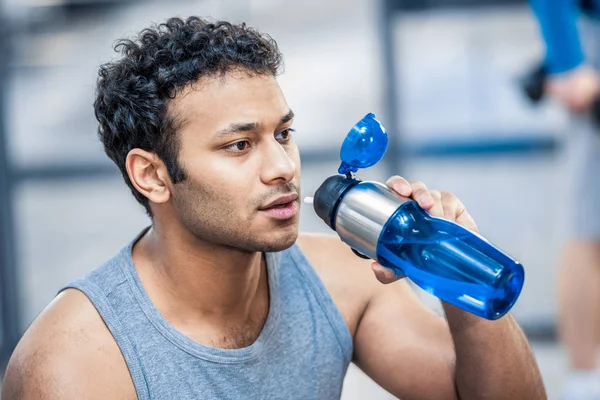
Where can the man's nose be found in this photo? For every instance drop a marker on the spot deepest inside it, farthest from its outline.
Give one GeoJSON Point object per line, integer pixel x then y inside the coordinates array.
{"type": "Point", "coordinates": [278, 166]}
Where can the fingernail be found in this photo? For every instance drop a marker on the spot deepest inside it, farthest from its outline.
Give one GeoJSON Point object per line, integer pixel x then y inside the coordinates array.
{"type": "Point", "coordinates": [402, 188]}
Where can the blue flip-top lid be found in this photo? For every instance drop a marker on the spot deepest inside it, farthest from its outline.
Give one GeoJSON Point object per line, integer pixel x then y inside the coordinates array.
{"type": "Point", "coordinates": [364, 146]}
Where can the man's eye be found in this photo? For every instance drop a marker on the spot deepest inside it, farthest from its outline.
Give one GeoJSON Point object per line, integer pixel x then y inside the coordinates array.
{"type": "Point", "coordinates": [238, 146]}
{"type": "Point", "coordinates": [285, 135]}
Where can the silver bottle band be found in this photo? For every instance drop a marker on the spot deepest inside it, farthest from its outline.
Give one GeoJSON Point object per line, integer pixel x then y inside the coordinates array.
{"type": "Point", "coordinates": [362, 214]}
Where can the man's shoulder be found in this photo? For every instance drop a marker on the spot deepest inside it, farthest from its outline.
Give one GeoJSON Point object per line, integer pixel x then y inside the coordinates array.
{"type": "Point", "coordinates": [349, 279]}
{"type": "Point", "coordinates": [335, 262]}
{"type": "Point", "coordinates": [328, 251]}
{"type": "Point", "coordinates": [65, 353]}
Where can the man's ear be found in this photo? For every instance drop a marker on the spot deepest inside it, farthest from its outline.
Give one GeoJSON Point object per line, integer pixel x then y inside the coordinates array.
{"type": "Point", "coordinates": [149, 175]}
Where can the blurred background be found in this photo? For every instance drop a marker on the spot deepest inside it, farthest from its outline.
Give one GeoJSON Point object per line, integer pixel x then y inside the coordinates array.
{"type": "Point", "coordinates": [442, 76]}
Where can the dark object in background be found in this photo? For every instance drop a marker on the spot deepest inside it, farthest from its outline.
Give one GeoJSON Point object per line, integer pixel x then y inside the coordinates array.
{"type": "Point", "coordinates": [533, 83]}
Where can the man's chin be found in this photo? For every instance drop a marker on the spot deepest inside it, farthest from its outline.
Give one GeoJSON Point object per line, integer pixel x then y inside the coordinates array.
{"type": "Point", "coordinates": [279, 241]}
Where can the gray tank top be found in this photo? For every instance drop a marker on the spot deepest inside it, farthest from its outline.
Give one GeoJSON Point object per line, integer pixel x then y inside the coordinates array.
{"type": "Point", "coordinates": [303, 351]}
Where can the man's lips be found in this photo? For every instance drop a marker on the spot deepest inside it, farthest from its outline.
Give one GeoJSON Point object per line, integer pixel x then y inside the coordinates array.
{"type": "Point", "coordinates": [283, 212]}
{"type": "Point", "coordinates": [282, 208]}
{"type": "Point", "coordinates": [281, 201]}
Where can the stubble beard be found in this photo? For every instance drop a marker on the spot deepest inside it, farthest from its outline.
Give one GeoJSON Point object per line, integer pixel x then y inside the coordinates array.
{"type": "Point", "coordinates": [215, 220]}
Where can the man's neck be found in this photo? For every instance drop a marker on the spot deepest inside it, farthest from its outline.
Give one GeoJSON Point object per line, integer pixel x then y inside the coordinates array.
{"type": "Point", "coordinates": [194, 283]}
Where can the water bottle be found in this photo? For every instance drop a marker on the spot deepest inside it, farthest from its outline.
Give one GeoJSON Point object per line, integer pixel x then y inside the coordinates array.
{"type": "Point", "coordinates": [445, 259]}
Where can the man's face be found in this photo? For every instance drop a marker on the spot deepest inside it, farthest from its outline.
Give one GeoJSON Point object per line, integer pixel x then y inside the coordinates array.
{"type": "Point", "coordinates": [242, 164]}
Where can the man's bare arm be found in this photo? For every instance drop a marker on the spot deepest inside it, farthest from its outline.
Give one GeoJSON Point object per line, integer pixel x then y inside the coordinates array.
{"type": "Point", "coordinates": [405, 347]}
{"type": "Point", "coordinates": [415, 354]}
{"type": "Point", "coordinates": [494, 359]}
{"type": "Point", "coordinates": [67, 353]}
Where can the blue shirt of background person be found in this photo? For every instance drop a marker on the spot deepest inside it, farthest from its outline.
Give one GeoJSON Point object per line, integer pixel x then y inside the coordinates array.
{"type": "Point", "coordinates": [558, 24]}
{"type": "Point", "coordinates": [571, 79]}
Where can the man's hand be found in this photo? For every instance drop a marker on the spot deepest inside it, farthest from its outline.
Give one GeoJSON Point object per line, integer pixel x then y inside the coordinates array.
{"type": "Point", "coordinates": [438, 204]}
{"type": "Point", "coordinates": [576, 89]}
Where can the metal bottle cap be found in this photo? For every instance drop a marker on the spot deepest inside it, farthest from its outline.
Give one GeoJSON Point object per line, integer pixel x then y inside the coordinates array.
{"type": "Point", "coordinates": [328, 196]}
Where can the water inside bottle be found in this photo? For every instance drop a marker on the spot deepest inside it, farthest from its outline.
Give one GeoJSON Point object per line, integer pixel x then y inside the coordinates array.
{"type": "Point", "coordinates": [450, 262]}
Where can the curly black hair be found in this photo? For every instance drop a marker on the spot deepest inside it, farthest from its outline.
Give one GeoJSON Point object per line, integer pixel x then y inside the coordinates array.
{"type": "Point", "coordinates": [133, 92]}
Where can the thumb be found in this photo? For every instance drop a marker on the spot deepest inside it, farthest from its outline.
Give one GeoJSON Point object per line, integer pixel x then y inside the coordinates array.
{"type": "Point", "coordinates": [385, 275]}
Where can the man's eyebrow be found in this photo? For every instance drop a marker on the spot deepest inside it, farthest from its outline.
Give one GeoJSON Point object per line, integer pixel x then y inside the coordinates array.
{"type": "Point", "coordinates": [237, 128]}
{"type": "Point", "coordinates": [248, 127]}
{"type": "Point", "coordinates": [287, 117]}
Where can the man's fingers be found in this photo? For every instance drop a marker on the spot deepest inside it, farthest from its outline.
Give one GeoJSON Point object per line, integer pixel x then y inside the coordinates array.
{"type": "Point", "coordinates": [465, 219]}
{"type": "Point", "coordinates": [415, 190]}
{"type": "Point", "coordinates": [455, 210]}
{"type": "Point", "coordinates": [421, 195]}
{"type": "Point", "coordinates": [451, 206]}
{"type": "Point", "coordinates": [438, 204]}
{"type": "Point", "coordinates": [400, 185]}
{"type": "Point", "coordinates": [437, 209]}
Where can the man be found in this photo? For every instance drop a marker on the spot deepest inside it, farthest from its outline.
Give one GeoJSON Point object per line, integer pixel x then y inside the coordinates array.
{"type": "Point", "coordinates": [221, 298]}
{"type": "Point", "coordinates": [573, 82]}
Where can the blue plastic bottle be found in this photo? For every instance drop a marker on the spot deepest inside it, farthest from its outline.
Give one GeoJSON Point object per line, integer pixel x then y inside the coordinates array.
{"type": "Point", "coordinates": [447, 260]}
